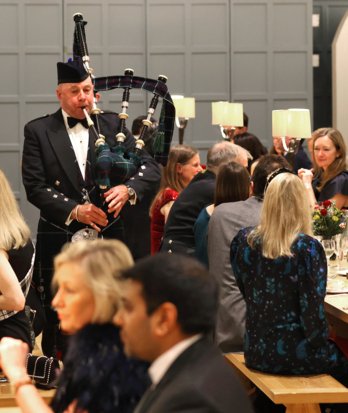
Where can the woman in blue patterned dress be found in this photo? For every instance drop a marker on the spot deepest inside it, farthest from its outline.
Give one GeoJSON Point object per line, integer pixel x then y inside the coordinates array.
{"type": "Point", "coordinates": [281, 271]}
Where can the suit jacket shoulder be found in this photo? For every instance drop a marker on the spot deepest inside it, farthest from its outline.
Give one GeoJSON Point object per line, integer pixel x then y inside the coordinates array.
{"type": "Point", "coordinates": [39, 118]}
{"type": "Point", "coordinates": [199, 381]}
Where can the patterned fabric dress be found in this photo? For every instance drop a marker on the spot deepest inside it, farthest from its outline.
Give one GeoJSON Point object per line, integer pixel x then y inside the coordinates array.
{"type": "Point", "coordinates": [157, 219]}
{"type": "Point", "coordinates": [97, 376]}
{"type": "Point", "coordinates": [286, 327]}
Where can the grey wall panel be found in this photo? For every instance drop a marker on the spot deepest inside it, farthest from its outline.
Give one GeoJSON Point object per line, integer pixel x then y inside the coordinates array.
{"type": "Point", "coordinates": [259, 118]}
{"type": "Point", "coordinates": [43, 26]}
{"type": "Point", "coordinates": [250, 74]}
{"type": "Point", "coordinates": [40, 34]}
{"type": "Point", "coordinates": [254, 16]}
{"type": "Point", "coordinates": [9, 79]}
{"type": "Point", "coordinates": [290, 81]}
{"type": "Point", "coordinates": [167, 32]}
{"type": "Point", "coordinates": [270, 58]}
{"type": "Point", "coordinates": [39, 108]}
{"type": "Point", "coordinates": [285, 13]}
{"type": "Point", "coordinates": [9, 161]}
{"type": "Point", "coordinates": [119, 20]}
{"type": "Point", "coordinates": [209, 26]}
{"type": "Point", "coordinates": [209, 80]}
{"type": "Point", "coordinates": [41, 73]}
{"type": "Point", "coordinates": [9, 121]}
{"type": "Point", "coordinates": [170, 65]}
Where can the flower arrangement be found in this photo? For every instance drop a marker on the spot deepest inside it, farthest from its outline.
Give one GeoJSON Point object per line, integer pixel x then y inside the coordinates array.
{"type": "Point", "coordinates": [328, 220]}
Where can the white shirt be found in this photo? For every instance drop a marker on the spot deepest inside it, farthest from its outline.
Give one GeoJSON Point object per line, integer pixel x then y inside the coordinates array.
{"type": "Point", "coordinates": [79, 138]}
{"type": "Point", "coordinates": [162, 363]}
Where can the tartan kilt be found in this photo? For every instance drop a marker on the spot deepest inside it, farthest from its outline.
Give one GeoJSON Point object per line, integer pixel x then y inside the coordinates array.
{"type": "Point", "coordinates": [50, 240]}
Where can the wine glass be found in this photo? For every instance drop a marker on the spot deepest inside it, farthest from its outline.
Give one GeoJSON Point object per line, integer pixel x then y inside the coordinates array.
{"type": "Point", "coordinates": [338, 250]}
{"type": "Point", "coordinates": [343, 251]}
{"type": "Point", "coordinates": [329, 246]}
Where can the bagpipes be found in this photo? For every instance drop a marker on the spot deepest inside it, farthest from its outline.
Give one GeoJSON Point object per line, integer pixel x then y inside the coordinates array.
{"type": "Point", "coordinates": [115, 164]}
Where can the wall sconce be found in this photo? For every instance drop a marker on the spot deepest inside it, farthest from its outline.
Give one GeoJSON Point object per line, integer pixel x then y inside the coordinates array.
{"type": "Point", "coordinates": [184, 110]}
{"type": "Point", "coordinates": [228, 116]}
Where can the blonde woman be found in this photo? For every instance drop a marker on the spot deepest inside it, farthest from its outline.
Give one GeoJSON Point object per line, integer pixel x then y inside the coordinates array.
{"type": "Point", "coordinates": [330, 177]}
{"type": "Point", "coordinates": [97, 376]}
{"type": "Point", "coordinates": [183, 164]}
{"type": "Point", "coordinates": [16, 265]}
{"type": "Point", "coordinates": [281, 271]}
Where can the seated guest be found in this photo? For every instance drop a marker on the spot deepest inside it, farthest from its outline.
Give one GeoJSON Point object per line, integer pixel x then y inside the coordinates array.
{"type": "Point", "coordinates": [232, 185]}
{"type": "Point", "coordinates": [226, 220]}
{"type": "Point", "coordinates": [167, 313]}
{"type": "Point", "coordinates": [16, 266]}
{"type": "Point", "coordinates": [281, 271]}
{"type": "Point", "coordinates": [330, 169]}
{"type": "Point", "coordinates": [183, 164]}
{"type": "Point", "coordinates": [297, 160]}
{"type": "Point", "coordinates": [178, 232]}
{"type": "Point", "coordinates": [97, 376]}
{"type": "Point", "coordinates": [252, 144]}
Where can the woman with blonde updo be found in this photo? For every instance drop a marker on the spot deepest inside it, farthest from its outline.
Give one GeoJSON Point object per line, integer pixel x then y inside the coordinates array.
{"type": "Point", "coordinates": [97, 375]}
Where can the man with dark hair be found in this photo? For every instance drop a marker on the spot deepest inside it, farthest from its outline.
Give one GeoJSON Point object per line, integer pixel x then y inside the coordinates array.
{"type": "Point", "coordinates": [178, 231]}
{"type": "Point", "coordinates": [168, 307]}
{"type": "Point", "coordinates": [58, 170]}
{"type": "Point", "coordinates": [225, 222]}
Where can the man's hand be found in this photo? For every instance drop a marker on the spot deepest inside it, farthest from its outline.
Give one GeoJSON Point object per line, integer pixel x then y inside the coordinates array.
{"type": "Point", "coordinates": [116, 197]}
{"type": "Point", "coordinates": [91, 215]}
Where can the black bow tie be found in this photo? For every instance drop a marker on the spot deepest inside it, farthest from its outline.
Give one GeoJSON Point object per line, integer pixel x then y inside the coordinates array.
{"type": "Point", "coordinates": [73, 121]}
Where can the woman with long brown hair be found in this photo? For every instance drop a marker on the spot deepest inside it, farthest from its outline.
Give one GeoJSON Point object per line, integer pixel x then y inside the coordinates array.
{"type": "Point", "coordinates": [183, 164]}
{"type": "Point", "coordinates": [232, 185]}
{"type": "Point", "coordinates": [330, 177]}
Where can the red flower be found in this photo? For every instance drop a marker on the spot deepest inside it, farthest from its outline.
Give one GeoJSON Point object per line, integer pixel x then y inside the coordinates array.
{"type": "Point", "coordinates": [323, 212]}
{"type": "Point", "coordinates": [327, 203]}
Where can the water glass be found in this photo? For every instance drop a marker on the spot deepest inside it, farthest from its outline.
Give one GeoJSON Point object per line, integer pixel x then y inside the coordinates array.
{"type": "Point", "coordinates": [329, 246]}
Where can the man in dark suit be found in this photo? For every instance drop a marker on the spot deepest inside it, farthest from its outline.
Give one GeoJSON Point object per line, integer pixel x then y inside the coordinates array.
{"type": "Point", "coordinates": [58, 170]}
{"type": "Point", "coordinates": [167, 312]}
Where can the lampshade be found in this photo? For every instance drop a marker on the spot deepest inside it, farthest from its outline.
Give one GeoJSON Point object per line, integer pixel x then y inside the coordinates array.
{"type": "Point", "coordinates": [227, 114]}
{"type": "Point", "coordinates": [184, 107]}
{"type": "Point", "coordinates": [299, 124]}
{"type": "Point", "coordinates": [279, 122]}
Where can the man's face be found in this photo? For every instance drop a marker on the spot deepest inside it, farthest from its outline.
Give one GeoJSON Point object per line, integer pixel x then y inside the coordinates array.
{"type": "Point", "coordinates": [137, 327]}
{"type": "Point", "coordinates": [73, 97]}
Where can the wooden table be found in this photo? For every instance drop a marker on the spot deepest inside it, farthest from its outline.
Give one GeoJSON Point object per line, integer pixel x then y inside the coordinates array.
{"type": "Point", "coordinates": [8, 399]}
{"type": "Point", "coordinates": [336, 307]}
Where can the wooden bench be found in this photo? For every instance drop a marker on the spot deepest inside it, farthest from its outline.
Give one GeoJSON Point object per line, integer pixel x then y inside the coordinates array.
{"type": "Point", "coordinates": [300, 394]}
